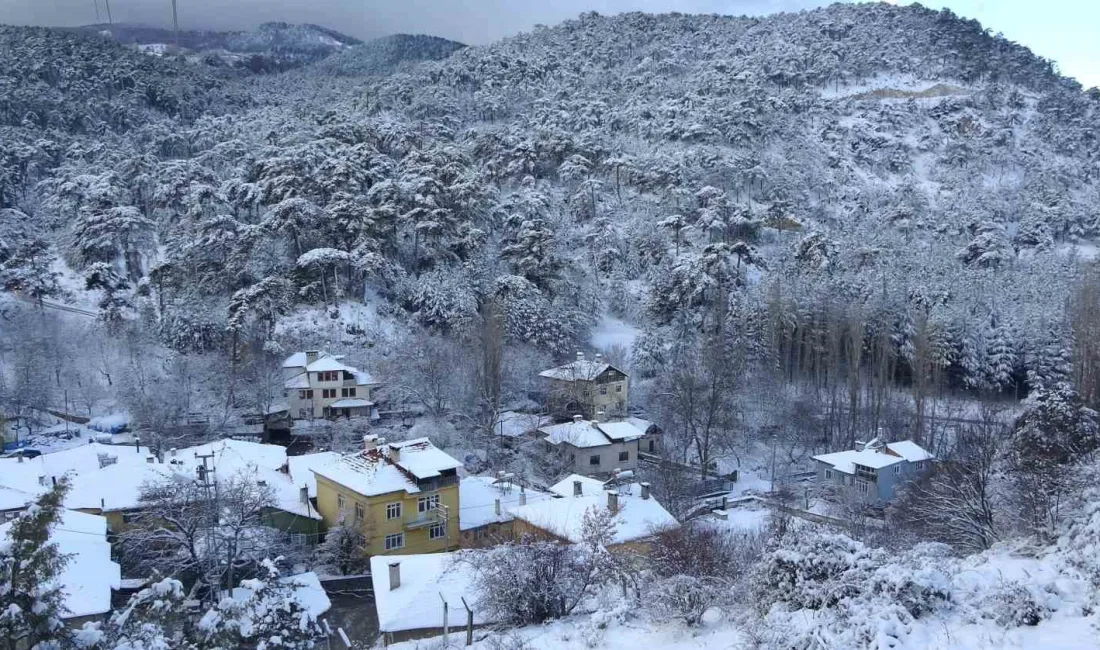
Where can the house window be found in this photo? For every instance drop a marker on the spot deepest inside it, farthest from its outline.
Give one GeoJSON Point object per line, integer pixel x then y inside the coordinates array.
{"type": "Point", "coordinates": [897, 468]}
{"type": "Point", "coordinates": [862, 486]}
{"type": "Point", "coordinates": [594, 459]}
{"type": "Point", "coordinates": [396, 540]}
{"type": "Point", "coordinates": [603, 390]}
{"type": "Point", "coordinates": [828, 475]}
{"type": "Point", "coordinates": [303, 413]}
{"type": "Point", "coordinates": [340, 502]}
{"type": "Point", "coordinates": [305, 394]}
{"type": "Point", "coordinates": [360, 511]}
{"type": "Point", "coordinates": [624, 455]}
{"type": "Point", "coordinates": [426, 504]}
{"type": "Point", "coordinates": [619, 388]}
{"type": "Point", "coordinates": [920, 465]}
{"type": "Point", "coordinates": [651, 445]}
{"type": "Point", "coordinates": [328, 393]}
{"type": "Point", "coordinates": [393, 510]}
{"type": "Point", "coordinates": [436, 531]}
{"type": "Point", "coordinates": [328, 376]}
{"type": "Point", "coordinates": [347, 392]}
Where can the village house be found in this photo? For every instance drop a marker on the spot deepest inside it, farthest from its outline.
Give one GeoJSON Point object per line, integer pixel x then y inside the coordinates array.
{"type": "Point", "coordinates": [487, 502]}
{"type": "Point", "coordinates": [637, 516]}
{"type": "Point", "coordinates": [874, 471]}
{"type": "Point", "coordinates": [320, 385]}
{"type": "Point", "coordinates": [592, 447]}
{"type": "Point", "coordinates": [114, 490]}
{"type": "Point", "coordinates": [404, 495]}
{"type": "Point", "coordinates": [586, 387]}
{"type": "Point", "coordinates": [412, 592]}
{"type": "Point", "coordinates": [89, 575]}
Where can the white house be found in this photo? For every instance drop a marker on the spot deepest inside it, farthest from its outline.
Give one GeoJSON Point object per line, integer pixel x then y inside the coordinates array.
{"type": "Point", "coordinates": [321, 385]}
{"type": "Point", "coordinates": [594, 448]}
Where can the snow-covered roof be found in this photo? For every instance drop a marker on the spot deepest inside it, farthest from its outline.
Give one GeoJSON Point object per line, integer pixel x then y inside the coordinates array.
{"type": "Point", "coordinates": [296, 360]}
{"type": "Point", "coordinates": [378, 471]}
{"type": "Point", "coordinates": [416, 604]}
{"type": "Point", "coordinates": [582, 434]}
{"type": "Point", "coordinates": [301, 468]}
{"type": "Point", "coordinates": [636, 519]}
{"type": "Point", "coordinates": [13, 499]}
{"type": "Point", "coordinates": [326, 364]}
{"type": "Point", "coordinates": [512, 424]}
{"type": "Point", "coordinates": [423, 459]}
{"type": "Point", "coordinates": [642, 425]}
{"type": "Point", "coordinates": [297, 382]}
{"type": "Point", "coordinates": [351, 403]}
{"type": "Point", "coordinates": [363, 378]}
{"type": "Point", "coordinates": [36, 475]}
{"type": "Point", "coordinates": [910, 451]}
{"type": "Point", "coordinates": [89, 576]}
{"type": "Point", "coordinates": [230, 455]}
{"type": "Point", "coordinates": [620, 430]}
{"type": "Point", "coordinates": [579, 370]}
{"type": "Point", "coordinates": [589, 485]}
{"type": "Point", "coordinates": [115, 487]}
{"type": "Point", "coordinates": [478, 496]}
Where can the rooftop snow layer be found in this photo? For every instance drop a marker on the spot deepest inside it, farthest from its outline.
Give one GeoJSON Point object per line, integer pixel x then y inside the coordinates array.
{"type": "Point", "coordinates": [425, 579]}
{"type": "Point", "coordinates": [564, 487]}
{"type": "Point", "coordinates": [351, 403]}
{"type": "Point", "coordinates": [478, 496]}
{"type": "Point", "coordinates": [297, 382]}
{"type": "Point", "coordinates": [620, 431]}
{"type": "Point", "coordinates": [637, 518]}
{"type": "Point", "coordinates": [583, 434]}
{"type": "Point", "coordinates": [579, 370]}
{"type": "Point", "coordinates": [89, 576]}
{"type": "Point", "coordinates": [910, 451]}
{"type": "Point", "coordinates": [301, 468]}
{"type": "Point", "coordinates": [423, 459]}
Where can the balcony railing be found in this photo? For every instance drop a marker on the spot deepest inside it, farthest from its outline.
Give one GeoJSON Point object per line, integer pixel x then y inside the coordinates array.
{"type": "Point", "coordinates": [422, 520]}
{"type": "Point", "coordinates": [433, 484]}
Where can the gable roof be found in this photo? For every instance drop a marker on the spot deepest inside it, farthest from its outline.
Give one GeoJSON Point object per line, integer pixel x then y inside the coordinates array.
{"type": "Point", "coordinates": [416, 604]}
{"type": "Point", "coordinates": [478, 496]}
{"type": "Point", "coordinates": [89, 576]}
{"type": "Point", "coordinates": [579, 370]}
{"type": "Point", "coordinates": [585, 434]}
{"type": "Point", "coordinates": [636, 518]}
{"type": "Point", "coordinates": [299, 381]}
{"type": "Point", "coordinates": [845, 461]}
{"type": "Point", "coordinates": [373, 472]}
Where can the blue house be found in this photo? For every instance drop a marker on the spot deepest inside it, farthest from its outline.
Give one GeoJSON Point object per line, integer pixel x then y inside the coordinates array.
{"type": "Point", "coordinates": [875, 470]}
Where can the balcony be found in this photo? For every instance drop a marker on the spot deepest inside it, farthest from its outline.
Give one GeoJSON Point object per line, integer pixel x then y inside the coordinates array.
{"type": "Point", "coordinates": [422, 520]}
{"type": "Point", "coordinates": [433, 484]}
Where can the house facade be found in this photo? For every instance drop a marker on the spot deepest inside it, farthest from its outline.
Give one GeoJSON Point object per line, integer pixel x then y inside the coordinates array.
{"type": "Point", "coordinates": [588, 388]}
{"type": "Point", "coordinates": [404, 495]}
{"type": "Point", "coordinates": [594, 448]}
{"type": "Point", "coordinates": [873, 472]}
{"type": "Point", "coordinates": [320, 385]}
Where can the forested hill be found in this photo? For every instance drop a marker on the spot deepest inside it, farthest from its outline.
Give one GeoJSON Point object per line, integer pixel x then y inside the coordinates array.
{"type": "Point", "coordinates": [890, 171]}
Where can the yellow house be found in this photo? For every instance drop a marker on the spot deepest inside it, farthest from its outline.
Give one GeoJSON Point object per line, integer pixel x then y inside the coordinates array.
{"type": "Point", "coordinates": [589, 388]}
{"type": "Point", "coordinates": [404, 495]}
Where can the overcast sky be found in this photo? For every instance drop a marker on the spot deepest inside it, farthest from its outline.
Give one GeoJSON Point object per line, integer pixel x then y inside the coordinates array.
{"type": "Point", "coordinates": [1063, 30]}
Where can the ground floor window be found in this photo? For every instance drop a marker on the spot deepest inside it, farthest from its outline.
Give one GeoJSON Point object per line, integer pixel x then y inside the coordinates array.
{"type": "Point", "coordinates": [594, 459]}
{"type": "Point", "coordinates": [437, 531]}
{"type": "Point", "coordinates": [862, 486]}
{"type": "Point", "coordinates": [396, 540]}
{"type": "Point", "coordinates": [828, 475]}
{"type": "Point", "coordinates": [624, 455]}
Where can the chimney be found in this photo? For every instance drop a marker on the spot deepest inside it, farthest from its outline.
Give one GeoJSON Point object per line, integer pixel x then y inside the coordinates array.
{"type": "Point", "coordinates": [577, 489]}
{"type": "Point", "coordinates": [600, 416]}
{"type": "Point", "coordinates": [311, 356]}
{"type": "Point", "coordinates": [395, 575]}
{"type": "Point", "coordinates": [497, 505]}
{"type": "Point", "coordinates": [53, 479]}
{"type": "Point", "coordinates": [613, 500]}
{"type": "Point", "coordinates": [303, 494]}
{"type": "Point", "coordinates": [395, 454]}
{"type": "Point", "coordinates": [103, 504]}
{"type": "Point", "coordinates": [370, 442]}
{"type": "Point", "coordinates": [20, 455]}
{"type": "Point", "coordinates": [580, 356]}
{"type": "Point", "coordinates": [172, 452]}
{"type": "Point", "coordinates": [645, 490]}
{"type": "Point", "coordinates": [522, 498]}
{"type": "Point", "coordinates": [578, 418]}
{"type": "Point", "coordinates": [137, 444]}
{"type": "Point", "coordinates": [599, 357]}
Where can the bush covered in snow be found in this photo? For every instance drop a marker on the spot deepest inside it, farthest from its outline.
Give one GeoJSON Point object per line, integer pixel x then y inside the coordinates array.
{"type": "Point", "coordinates": [861, 594]}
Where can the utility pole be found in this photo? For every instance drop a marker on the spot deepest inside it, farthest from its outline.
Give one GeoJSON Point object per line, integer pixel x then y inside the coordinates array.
{"type": "Point", "coordinates": [210, 496]}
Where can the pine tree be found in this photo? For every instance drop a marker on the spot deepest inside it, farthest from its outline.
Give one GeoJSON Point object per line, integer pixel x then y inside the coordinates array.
{"type": "Point", "coordinates": [31, 600]}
